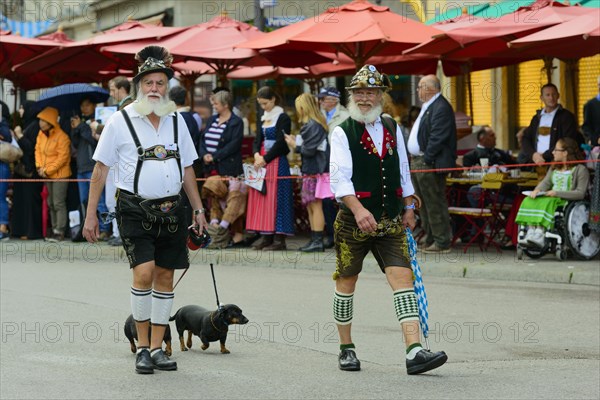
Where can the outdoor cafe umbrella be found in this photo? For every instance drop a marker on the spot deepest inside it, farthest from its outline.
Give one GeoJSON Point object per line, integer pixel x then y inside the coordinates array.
{"type": "Point", "coordinates": [68, 97]}
{"type": "Point", "coordinates": [210, 42]}
{"type": "Point", "coordinates": [577, 38]}
{"type": "Point", "coordinates": [359, 29]}
{"type": "Point", "coordinates": [483, 43]}
{"type": "Point", "coordinates": [83, 58]}
{"type": "Point", "coordinates": [15, 49]}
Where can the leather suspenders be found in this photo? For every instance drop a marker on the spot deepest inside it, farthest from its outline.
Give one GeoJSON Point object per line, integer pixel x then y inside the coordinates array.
{"type": "Point", "coordinates": [147, 154]}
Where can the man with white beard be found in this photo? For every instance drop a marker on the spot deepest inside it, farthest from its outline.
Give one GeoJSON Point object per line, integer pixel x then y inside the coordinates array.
{"type": "Point", "coordinates": [370, 177]}
{"type": "Point", "coordinates": [152, 150]}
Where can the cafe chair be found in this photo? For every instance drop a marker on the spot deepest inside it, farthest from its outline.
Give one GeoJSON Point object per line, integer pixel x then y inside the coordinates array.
{"type": "Point", "coordinates": [486, 219]}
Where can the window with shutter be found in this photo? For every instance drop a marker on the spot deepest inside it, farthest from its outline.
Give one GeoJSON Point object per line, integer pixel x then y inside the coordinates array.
{"type": "Point", "coordinates": [531, 77]}
{"type": "Point", "coordinates": [589, 71]}
{"type": "Point", "coordinates": [484, 95]}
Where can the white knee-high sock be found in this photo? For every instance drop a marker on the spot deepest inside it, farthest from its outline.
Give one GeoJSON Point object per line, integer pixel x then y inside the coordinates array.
{"type": "Point", "coordinates": [161, 307]}
{"type": "Point", "coordinates": [141, 304]}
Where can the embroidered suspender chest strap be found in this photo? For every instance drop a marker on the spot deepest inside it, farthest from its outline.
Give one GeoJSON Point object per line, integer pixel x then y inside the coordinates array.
{"type": "Point", "coordinates": [156, 152]}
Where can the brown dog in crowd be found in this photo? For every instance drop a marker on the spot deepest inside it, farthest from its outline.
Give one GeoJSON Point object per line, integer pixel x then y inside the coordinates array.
{"type": "Point", "coordinates": [209, 326]}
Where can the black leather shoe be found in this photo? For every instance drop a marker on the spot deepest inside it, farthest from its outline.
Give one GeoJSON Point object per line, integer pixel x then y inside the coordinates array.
{"type": "Point", "coordinates": [162, 362]}
{"type": "Point", "coordinates": [143, 362]}
{"type": "Point", "coordinates": [425, 361]}
{"type": "Point", "coordinates": [348, 360]}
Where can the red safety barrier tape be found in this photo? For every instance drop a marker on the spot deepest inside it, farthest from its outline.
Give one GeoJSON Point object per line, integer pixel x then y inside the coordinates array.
{"type": "Point", "coordinates": [412, 171]}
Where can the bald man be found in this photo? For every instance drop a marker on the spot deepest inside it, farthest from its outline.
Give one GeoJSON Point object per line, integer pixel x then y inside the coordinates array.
{"type": "Point", "coordinates": [432, 145]}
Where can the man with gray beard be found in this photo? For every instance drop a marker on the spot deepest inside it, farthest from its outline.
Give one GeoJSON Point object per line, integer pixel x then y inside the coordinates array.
{"type": "Point", "coordinates": [370, 177]}
{"type": "Point", "coordinates": [152, 151]}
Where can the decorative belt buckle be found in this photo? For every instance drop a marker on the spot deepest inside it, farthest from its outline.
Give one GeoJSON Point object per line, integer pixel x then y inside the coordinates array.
{"type": "Point", "coordinates": [166, 206]}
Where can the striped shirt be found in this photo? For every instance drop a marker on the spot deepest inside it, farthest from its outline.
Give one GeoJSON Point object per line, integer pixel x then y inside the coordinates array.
{"type": "Point", "coordinates": [213, 135]}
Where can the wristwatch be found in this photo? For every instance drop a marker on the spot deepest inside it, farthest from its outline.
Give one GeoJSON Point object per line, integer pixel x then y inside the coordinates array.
{"type": "Point", "coordinates": [410, 207]}
{"type": "Point", "coordinates": [200, 211]}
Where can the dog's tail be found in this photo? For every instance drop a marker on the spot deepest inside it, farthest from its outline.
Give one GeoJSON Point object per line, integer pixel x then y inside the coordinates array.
{"type": "Point", "coordinates": [174, 316]}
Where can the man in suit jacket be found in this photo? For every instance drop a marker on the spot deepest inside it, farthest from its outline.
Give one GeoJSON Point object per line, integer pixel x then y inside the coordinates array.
{"type": "Point", "coordinates": [432, 145]}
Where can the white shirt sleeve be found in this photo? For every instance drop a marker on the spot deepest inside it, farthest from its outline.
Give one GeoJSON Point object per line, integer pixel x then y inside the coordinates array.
{"type": "Point", "coordinates": [405, 178]}
{"type": "Point", "coordinates": [340, 165]}
{"type": "Point", "coordinates": [105, 149]}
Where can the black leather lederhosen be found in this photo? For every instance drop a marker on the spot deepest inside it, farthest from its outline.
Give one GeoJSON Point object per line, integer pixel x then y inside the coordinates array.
{"type": "Point", "coordinates": [163, 210]}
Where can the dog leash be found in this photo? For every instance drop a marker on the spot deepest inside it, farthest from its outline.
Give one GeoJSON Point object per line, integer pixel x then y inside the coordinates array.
{"type": "Point", "coordinates": [182, 275]}
{"type": "Point", "coordinates": [212, 271]}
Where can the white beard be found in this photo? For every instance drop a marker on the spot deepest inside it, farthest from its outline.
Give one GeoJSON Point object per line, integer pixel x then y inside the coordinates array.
{"type": "Point", "coordinates": [160, 108]}
{"type": "Point", "coordinates": [358, 115]}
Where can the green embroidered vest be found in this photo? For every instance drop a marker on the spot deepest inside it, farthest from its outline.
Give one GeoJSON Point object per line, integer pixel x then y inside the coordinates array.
{"type": "Point", "coordinates": [376, 180]}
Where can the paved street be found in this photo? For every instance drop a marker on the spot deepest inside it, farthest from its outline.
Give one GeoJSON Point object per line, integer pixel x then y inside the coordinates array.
{"type": "Point", "coordinates": [511, 331]}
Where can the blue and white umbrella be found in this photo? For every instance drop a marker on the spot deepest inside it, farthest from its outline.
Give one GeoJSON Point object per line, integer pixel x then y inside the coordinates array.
{"type": "Point", "coordinates": [418, 285]}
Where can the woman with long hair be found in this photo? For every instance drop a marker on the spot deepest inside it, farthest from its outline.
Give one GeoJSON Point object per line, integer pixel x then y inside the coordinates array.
{"type": "Point", "coordinates": [564, 181]}
{"type": "Point", "coordinates": [272, 213]}
{"type": "Point", "coordinates": [312, 144]}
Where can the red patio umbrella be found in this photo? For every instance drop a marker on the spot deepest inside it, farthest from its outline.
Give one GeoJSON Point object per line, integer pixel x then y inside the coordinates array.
{"type": "Point", "coordinates": [360, 30]}
{"type": "Point", "coordinates": [579, 37]}
{"type": "Point", "coordinates": [15, 49]}
{"type": "Point", "coordinates": [487, 38]}
{"type": "Point", "coordinates": [82, 60]}
{"type": "Point", "coordinates": [210, 42]}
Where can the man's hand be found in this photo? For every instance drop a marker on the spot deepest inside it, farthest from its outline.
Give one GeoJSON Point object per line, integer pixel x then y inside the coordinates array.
{"type": "Point", "coordinates": [208, 158]}
{"type": "Point", "coordinates": [91, 228]}
{"type": "Point", "coordinates": [408, 219]}
{"type": "Point", "coordinates": [365, 220]}
{"type": "Point", "coordinates": [200, 222]}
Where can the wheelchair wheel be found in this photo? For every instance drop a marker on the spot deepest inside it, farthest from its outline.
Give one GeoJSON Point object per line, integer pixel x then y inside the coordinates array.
{"type": "Point", "coordinates": [584, 242]}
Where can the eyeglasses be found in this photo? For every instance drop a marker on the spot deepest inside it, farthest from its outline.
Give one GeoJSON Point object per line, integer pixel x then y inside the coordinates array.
{"type": "Point", "coordinates": [364, 95]}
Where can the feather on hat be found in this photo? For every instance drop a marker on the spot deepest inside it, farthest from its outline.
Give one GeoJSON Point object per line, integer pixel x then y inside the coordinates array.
{"type": "Point", "coordinates": [153, 59]}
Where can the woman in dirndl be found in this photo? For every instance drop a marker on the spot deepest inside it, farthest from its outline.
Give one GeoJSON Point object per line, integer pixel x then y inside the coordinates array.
{"type": "Point", "coordinates": [271, 214]}
{"type": "Point", "coordinates": [565, 181]}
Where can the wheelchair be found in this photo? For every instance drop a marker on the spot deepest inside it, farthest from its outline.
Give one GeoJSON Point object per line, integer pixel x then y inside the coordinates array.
{"type": "Point", "coordinates": [571, 234]}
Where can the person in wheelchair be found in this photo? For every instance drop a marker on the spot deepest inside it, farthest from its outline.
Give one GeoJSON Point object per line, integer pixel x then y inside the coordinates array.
{"type": "Point", "coordinates": [565, 181]}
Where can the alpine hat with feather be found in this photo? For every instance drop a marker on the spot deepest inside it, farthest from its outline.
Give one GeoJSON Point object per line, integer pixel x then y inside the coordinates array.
{"type": "Point", "coordinates": [153, 59]}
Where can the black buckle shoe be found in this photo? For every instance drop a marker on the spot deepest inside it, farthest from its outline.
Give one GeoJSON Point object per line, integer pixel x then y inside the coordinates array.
{"type": "Point", "coordinates": [162, 362]}
{"type": "Point", "coordinates": [425, 361]}
{"type": "Point", "coordinates": [348, 360]}
{"type": "Point", "coordinates": [143, 362]}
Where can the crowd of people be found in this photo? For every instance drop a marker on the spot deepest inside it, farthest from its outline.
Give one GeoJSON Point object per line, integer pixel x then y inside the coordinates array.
{"type": "Point", "coordinates": [239, 215]}
{"type": "Point", "coordinates": [367, 178]}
